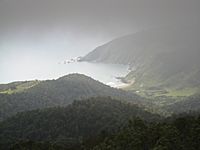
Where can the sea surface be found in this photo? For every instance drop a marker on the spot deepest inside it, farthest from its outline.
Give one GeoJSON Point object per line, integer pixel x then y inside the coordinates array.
{"type": "Point", "coordinates": [105, 73]}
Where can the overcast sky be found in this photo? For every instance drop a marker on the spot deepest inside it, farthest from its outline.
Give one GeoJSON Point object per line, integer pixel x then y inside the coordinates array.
{"type": "Point", "coordinates": [96, 18]}
{"type": "Point", "coordinates": [58, 29]}
{"type": "Point", "coordinates": [85, 24]}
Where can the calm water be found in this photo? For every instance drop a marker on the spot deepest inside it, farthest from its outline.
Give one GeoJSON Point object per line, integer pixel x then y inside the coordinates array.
{"type": "Point", "coordinates": [28, 57]}
{"type": "Point", "coordinates": [105, 73]}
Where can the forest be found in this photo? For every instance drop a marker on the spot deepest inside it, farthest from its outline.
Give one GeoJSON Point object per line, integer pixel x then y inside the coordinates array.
{"type": "Point", "coordinates": [99, 123]}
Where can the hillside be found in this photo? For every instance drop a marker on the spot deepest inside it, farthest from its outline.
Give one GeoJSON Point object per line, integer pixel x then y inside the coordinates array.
{"type": "Point", "coordinates": [60, 92]}
{"type": "Point", "coordinates": [188, 104]}
{"type": "Point", "coordinates": [99, 124]}
{"type": "Point", "coordinates": [68, 125]}
{"type": "Point", "coordinates": [181, 133]}
{"type": "Point", "coordinates": [17, 87]}
{"type": "Point", "coordinates": [164, 61]}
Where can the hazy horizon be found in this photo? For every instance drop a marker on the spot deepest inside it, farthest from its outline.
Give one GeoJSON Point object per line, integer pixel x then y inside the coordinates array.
{"type": "Point", "coordinates": [34, 32]}
{"type": "Point", "coordinates": [100, 74]}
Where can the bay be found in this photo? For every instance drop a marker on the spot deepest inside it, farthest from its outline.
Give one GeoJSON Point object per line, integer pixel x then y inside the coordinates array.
{"type": "Point", "coordinates": [105, 73]}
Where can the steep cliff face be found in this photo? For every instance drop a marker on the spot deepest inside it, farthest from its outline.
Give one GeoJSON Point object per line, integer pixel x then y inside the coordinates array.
{"type": "Point", "coordinates": [162, 58]}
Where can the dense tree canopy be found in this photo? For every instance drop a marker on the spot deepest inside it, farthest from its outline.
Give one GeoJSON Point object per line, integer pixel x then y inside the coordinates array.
{"type": "Point", "coordinates": [80, 120]}
{"type": "Point", "coordinates": [180, 134]}
{"type": "Point", "coordinates": [60, 92]}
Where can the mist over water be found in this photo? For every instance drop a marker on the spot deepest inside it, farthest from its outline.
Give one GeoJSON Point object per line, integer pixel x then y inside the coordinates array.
{"type": "Point", "coordinates": [42, 59]}
{"type": "Point", "coordinates": [43, 71]}
{"type": "Point", "coordinates": [36, 35]}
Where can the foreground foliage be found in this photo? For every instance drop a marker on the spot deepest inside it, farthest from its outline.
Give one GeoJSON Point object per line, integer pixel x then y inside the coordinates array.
{"type": "Point", "coordinates": [68, 126]}
{"type": "Point", "coordinates": [180, 134]}
{"type": "Point", "coordinates": [99, 124]}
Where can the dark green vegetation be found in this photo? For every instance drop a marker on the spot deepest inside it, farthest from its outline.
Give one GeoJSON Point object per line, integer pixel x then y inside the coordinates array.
{"type": "Point", "coordinates": [164, 62]}
{"type": "Point", "coordinates": [99, 124]}
{"type": "Point", "coordinates": [71, 125]}
{"type": "Point", "coordinates": [166, 106]}
{"type": "Point", "coordinates": [187, 104]}
{"type": "Point", "coordinates": [181, 133]}
{"type": "Point", "coordinates": [16, 87]}
{"type": "Point", "coordinates": [52, 115]}
{"type": "Point", "coordinates": [60, 92]}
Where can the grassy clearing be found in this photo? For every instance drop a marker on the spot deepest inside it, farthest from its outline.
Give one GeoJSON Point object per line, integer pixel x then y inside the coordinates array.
{"type": "Point", "coordinates": [183, 92]}
{"type": "Point", "coordinates": [19, 87]}
{"type": "Point", "coordinates": [159, 92]}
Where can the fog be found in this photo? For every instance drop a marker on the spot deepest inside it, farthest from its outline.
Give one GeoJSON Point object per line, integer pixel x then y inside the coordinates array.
{"type": "Point", "coordinates": [36, 32]}
{"type": "Point", "coordinates": [92, 17]}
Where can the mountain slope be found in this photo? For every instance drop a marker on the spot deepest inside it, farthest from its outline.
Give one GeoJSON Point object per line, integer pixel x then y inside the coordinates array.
{"type": "Point", "coordinates": [67, 125]}
{"type": "Point", "coordinates": [60, 92]}
{"type": "Point", "coordinates": [163, 59]}
{"type": "Point", "coordinates": [188, 104]}
{"type": "Point", "coordinates": [180, 133]}
{"type": "Point", "coordinates": [16, 87]}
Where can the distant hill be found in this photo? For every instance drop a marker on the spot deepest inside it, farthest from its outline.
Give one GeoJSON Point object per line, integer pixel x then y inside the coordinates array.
{"type": "Point", "coordinates": [164, 61]}
{"type": "Point", "coordinates": [60, 92]}
{"type": "Point", "coordinates": [68, 125]}
{"type": "Point", "coordinates": [188, 104]}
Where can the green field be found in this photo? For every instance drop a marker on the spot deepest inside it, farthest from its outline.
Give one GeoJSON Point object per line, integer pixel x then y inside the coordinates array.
{"type": "Point", "coordinates": [17, 87]}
